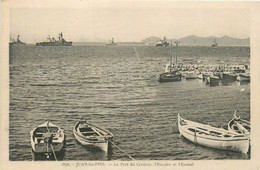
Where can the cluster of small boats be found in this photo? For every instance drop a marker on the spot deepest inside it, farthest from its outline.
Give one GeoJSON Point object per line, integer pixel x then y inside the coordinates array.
{"type": "Point", "coordinates": [224, 77]}
{"type": "Point", "coordinates": [236, 138]}
{"type": "Point", "coordinates": [49, 139]}
{"type": "Point", "coordinates": [211, 74]}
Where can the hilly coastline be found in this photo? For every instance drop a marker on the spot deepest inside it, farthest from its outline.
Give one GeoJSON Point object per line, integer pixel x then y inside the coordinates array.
{"type": "Point", "coordinates": [193, 40]}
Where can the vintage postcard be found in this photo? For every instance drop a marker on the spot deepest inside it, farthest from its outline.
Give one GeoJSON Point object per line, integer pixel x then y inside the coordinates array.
{"type": "Point", "coordinates": [130, 84]}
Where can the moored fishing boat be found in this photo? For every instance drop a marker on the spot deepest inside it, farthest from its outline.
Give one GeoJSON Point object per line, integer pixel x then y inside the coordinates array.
{"type": "Point", "coordinates": [212, 137]}
{"type": "Point", "coordinates": [92, 136]}
{"type": "Point", "coordinates": [239, 125]}
{"type": "Point", "coordinates": [229, 76]}
{"type": "Point", "coordinates": [47, 138]}
{"type": "Point", "coordinates": [171, 74]}
{"type": "Point", "coordinates": [213, 80]}
{"type": "Point", "coordinates": [204, 75]}
{"type": "Point", "coordinates": [243, 77]}
{"type": "Point", "coordinates": [190, 75]}
{"type": "Point", "coordinates": [200, 76]}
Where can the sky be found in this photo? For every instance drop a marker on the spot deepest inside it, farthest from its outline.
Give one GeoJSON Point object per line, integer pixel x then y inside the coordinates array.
{"type": "Point", "coordinates": [126, 24]}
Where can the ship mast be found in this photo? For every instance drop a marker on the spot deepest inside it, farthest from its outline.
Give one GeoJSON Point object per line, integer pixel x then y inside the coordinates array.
{"type": "Point", "coordinates": [18, 38]}
{"type": "Point", "coordinates": [61, 36]}
{"type": "Point", "coordinates": [171, 57]}
{"type": "Point", "coordinates": [177, 43]}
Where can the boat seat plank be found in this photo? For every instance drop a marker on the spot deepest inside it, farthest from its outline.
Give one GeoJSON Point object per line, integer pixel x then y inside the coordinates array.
{"type": "Point", "coordinates": [88, 132]}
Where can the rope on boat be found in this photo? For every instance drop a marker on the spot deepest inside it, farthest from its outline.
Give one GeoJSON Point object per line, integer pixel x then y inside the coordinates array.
{"type": "Point", "coordinates": [53, 152]}
{"type": "Point", "coordinates": [121, 150]}
{"type": "Point", "coordinates": [174, 125]}
{"type": "Point", "coordinates": [50, 141]}
{"type": "Point", "coordinates": [33, 156]}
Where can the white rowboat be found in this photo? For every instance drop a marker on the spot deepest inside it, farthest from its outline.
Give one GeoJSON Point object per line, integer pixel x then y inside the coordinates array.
{"type": "Point", "coordinates": [212, 137]}
{"type": "Point", "coordinates": [42, 143]}
{"type": "Point", "coordinates": [239, 126]}
{"type": "Point", "coordinates": [92, 136]}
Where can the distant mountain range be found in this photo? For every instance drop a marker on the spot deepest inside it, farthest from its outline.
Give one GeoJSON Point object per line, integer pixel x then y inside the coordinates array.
{"type": "Point", "coordinates": [193, 40]}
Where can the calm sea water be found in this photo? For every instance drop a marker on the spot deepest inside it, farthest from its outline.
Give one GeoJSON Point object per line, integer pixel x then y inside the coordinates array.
{"type": "Point", "coordinates": [116, 87]}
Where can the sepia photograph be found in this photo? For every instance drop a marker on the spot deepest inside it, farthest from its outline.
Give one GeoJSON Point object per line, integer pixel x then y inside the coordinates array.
{"type": "Point", "coordinates": [129, 81]}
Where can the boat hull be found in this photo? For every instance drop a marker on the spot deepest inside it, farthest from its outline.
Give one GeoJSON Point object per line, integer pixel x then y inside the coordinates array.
{"type": "Point", "coordinates": [243, 78]}
{"type": "Point", "coordinates": [190, 76]}
{"type": "Point", "coordinates": [200, 76]}
{"type": "Point", "coordinates": [43, 148]}
{"type": "Point", "coordinates": [204, 76]}
{"type": "Point", "coordinates": [168, 77]}
{"type": "Point", "coordinates": [239, 126]}
{"type": "Point", "coordinates": [229, 77]}
{"type": "Point", "coordinates": [40, 146]}
{"type": "Point", "coordinates": [101, 139]}
{"type": "Point", "coordinates": [165, 44]}
{"type": "Point", "coordinates": [111, 44]}
{"type": "Point", "coordinates": [213, 81]}
{"type": "Point", "coordinates": [102, 145]}
{"type": "Point", "coordinates": [17, 43]}
{"type": "Point", "coordinates": [54, 44]}
{"type": "Point", "coordinates": [238, 144]}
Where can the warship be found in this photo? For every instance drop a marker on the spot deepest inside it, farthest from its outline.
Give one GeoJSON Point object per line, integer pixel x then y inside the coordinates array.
{"type": "Point", "coordinates": [214, 44]}
{"type": "Point", "coordinates": [17, 42]}
{"type": "Point", "coordinates": [53, 42]}
{"type": "Point", "coordinates": [162, 43]}
{"type": "Point", "coordinates": [112, 42]}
